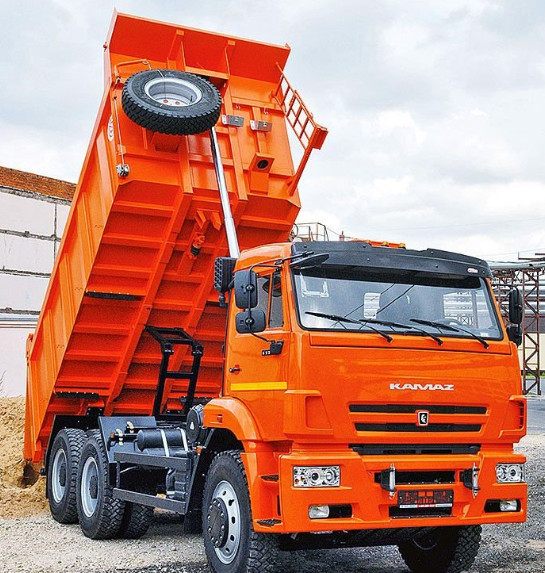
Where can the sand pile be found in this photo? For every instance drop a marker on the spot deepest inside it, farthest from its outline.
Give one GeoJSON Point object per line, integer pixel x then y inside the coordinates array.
{"type": "Point", "coordinates": [20, 493]}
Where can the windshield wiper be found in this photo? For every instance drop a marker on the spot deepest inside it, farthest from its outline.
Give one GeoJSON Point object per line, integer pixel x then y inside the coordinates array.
{"type": "Point", "coordinates": [399, 325]}
{"type": "Point", "coordinates": [451, 328]}
{"type": "Point", "coordinates": [338, 318]}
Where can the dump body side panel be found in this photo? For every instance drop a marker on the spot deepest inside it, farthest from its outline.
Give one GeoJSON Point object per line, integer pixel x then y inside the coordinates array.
{"type": "Point", "coordinates": [125, 260]}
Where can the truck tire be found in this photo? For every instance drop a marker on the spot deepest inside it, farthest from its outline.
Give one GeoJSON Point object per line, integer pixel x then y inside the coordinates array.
{"type": "Point", "coordinates": [442, 550]}
{"type": "Point", "coordinates": [100, 514]}
{"type": "Point", "coordinates": [167, 101]}
{"type": "Point", "coordinates": [136, 521]}
{"type": "Point", "coordinates": [230, 542]}
{"type": "Point", "coordinates": [61, 474]}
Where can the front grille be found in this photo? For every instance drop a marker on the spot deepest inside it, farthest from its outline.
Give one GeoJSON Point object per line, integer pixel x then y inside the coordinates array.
{"type": "Point", "coordinates": [403, 427]}
{"type": "Point", "coordinates": [413, 408]}
{"type": "Point", "coordinates": [414, 449]}
{"type": "Point", "coordinates": [399, 512]}
{"type": "Point", "coordinates": [421, 477]}
{"type": "Point", "coordinates": [413, 418]}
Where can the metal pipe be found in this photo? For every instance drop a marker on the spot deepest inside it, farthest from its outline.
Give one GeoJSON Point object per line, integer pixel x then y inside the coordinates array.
{"type": "Point", "coordinates": [230, 229]}
{"type": "Point", "coordinates": [516, 266]}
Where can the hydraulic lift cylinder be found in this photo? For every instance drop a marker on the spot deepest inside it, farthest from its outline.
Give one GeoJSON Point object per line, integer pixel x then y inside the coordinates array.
{"type": "Point", "coordinates": [230, 230]}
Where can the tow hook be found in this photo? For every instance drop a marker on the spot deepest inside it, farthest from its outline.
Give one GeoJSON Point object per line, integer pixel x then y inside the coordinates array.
{"type": "Point", "coordinates": [470, 479]}
{"type": "Point", "coordinates": [388, 480]}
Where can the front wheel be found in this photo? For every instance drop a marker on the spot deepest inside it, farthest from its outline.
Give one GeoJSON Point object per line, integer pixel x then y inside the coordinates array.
{"type": "Point", "coordinates": [442, 550]}
{"type": "Point", "coordinates": [231, 544]}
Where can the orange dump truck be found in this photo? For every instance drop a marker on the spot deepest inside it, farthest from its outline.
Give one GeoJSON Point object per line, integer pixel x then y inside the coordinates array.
{"type": "Point", "coordinates": [290, 395]}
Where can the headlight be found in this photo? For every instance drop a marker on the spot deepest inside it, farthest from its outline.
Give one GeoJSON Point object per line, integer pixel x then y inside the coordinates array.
{"type": "Point", "coordinates": [316, 476]}
{"type": "Point", "coordinates": [510, 473]}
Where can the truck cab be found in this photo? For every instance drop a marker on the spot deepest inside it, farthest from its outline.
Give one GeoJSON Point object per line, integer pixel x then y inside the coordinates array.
{"type": "Point", "coordinates": [391, 397]}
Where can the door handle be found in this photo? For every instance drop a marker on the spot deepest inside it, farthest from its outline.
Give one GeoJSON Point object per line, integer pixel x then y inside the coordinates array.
{"type": "Point", "coordinates": [235, 369]}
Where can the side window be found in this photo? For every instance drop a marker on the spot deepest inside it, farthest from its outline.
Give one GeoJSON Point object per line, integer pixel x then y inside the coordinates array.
{"type": "Point", "coordinates": [263, 294]}
{"type": "Point", "coordinates": [276, 314]}
{"type": "Point", "coordinates": [269, 300]}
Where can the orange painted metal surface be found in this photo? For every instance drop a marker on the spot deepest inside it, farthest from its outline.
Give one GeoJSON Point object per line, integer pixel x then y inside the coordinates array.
{"type": "Point", "coordinates": [294, 410]}
{"type": "Point", "coordinates": [132, 236]}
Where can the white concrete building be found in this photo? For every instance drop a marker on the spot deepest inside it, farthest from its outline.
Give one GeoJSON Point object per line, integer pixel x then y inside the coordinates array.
{"type": "Point", "coordinates": [33, 213]}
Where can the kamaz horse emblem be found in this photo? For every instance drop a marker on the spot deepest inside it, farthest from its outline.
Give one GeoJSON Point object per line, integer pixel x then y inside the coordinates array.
{"type": "Point", "coordinates": [422, 417]}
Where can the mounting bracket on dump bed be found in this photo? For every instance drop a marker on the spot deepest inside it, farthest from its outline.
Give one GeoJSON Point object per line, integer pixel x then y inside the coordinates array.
{"type": "Point", "coordinates": [168, 338]}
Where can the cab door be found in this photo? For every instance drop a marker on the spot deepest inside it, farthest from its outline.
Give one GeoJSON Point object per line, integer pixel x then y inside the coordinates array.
{"type": "Point", "coordinates": [252, 375]}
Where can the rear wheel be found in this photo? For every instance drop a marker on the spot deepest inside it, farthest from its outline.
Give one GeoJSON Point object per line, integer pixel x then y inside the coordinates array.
{"type": "Point", "coordinates": [137, 519]}
{"type": "Point", "coordinates": [100, 514]}
{"type": "Point", "coordinates": [231, 544]}
{"type": "Point", "coordinates": [61, 474]}
{"type": "Point", "coordinates": [442, 550]}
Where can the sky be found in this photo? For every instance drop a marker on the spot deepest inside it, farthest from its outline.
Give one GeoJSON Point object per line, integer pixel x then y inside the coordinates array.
{"type": "Point", "coordinates": [435, 109]}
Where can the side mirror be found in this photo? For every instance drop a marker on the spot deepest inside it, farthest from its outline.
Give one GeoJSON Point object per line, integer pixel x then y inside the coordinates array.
{"type": "Point", "coordinates": [250, 321]}
{"type": "Point", "coordinates": [245, 289]}
{"type": "Point", "coordinates": [514, 333]}
{"type": "Point", "coordinates": [516, 307]}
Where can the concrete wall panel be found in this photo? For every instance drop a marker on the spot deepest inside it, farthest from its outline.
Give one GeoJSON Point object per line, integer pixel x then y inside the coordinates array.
{"type": "Point", "coordinates": [26, 254]}
{"type": "Point", "coordinates": [26, 214]}
{"type": "Point", "coordinates": [13, 358]}
{"type": "Point", "coordinates": [22, 292]}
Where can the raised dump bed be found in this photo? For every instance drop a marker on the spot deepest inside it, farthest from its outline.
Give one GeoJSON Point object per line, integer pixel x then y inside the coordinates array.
{"type": "Point", "coordinates": [146, 225]}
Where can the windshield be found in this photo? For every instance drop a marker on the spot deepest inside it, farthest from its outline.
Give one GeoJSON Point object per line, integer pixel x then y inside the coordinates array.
{"type": "Point", "coordinates": [457, 307]}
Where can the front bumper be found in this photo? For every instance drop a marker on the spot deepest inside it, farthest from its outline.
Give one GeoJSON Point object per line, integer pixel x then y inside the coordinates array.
{"type": "Point", "coordinates": [371, 504]}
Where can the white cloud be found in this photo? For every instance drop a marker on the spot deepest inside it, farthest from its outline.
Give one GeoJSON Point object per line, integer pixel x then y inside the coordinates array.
{"type": "Point", "coordinates": [434, 108]}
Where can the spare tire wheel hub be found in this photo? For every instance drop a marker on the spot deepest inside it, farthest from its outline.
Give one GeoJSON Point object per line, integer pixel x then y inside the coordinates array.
{"type": "Point", "coordinates": [174, 92]}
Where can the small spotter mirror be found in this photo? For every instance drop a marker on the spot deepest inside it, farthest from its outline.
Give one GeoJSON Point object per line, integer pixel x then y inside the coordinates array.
{"type": "Point", "coordinates": [310, 261]}
{"type": "Point", "coordinates": [514, 333]}
{"type": "Point", "coordinates": [250, 321]}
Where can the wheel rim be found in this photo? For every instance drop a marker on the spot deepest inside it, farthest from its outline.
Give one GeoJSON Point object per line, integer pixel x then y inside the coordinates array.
{"type": "Point", "coordinates": [58, 477]}
{"type": "Point", "coordinates": [89, 486]}
{"type": "Point", "coordinates": [225, 535]}
{"type": "Point", "coordinates": [173, 92]}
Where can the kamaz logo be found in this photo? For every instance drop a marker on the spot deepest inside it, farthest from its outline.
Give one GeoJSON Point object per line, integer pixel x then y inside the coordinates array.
{"type": "Point", "coordinates": [443, 387]}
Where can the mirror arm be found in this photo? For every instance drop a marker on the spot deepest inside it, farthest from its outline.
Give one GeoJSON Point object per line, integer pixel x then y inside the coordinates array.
{"type": "Point", "coordinates": [275, 263]}
{"type": "Point", "coordinates": [261, 337]}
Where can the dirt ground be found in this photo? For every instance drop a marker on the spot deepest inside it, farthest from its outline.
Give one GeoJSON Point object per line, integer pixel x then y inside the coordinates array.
{"type": "Point", "coordinates": [31, 542]}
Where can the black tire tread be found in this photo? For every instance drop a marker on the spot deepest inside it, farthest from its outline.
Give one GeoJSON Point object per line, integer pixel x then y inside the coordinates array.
{"type": "Point", "coordinates": [113, 509]}
{"type": "Point", "coordinates": [168, 121]}
{"type": "Point", "coordinates": [76, 439]}
{"type": "Point", "coordinates": [262, 547]}
{"type": "Point", "coordinates": [456, 556]}
{"type": "Point", "coordinates": [136, 521]}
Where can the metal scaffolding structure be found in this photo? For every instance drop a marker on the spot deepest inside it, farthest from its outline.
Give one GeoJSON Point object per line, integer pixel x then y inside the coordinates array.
{"type": "Point", "coordinates": [528, 275]}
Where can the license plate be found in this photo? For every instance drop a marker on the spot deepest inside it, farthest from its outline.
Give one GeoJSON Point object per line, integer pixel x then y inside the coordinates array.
{"type": "Point", "coordinates": [408, 499]}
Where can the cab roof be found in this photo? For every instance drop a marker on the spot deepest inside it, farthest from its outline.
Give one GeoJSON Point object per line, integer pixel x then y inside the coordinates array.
{"type": "Point", "coordinates": [429, 261]}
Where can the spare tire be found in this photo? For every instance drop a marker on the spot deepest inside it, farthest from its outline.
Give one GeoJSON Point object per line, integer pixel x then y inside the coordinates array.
{"type": "Point", "coordinates": [167, 101]}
